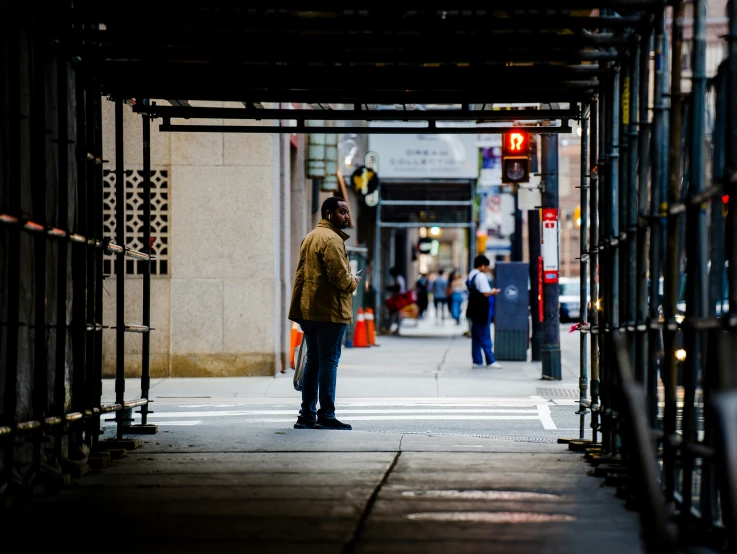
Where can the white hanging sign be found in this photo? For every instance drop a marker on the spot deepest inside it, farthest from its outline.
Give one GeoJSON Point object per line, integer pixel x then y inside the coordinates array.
{"type": "Point", "coordinates": [550, 245]}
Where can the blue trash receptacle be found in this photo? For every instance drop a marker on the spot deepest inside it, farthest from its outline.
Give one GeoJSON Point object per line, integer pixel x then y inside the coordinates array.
{"type": "Point", "coordinates": [511, 318]}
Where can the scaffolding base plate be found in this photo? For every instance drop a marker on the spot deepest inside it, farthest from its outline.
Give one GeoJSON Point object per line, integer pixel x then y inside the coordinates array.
{"type": "Point", "coordinates": [99, 460]}
{"type": "Point", "coordinates": [128, 444]}
{"type": "Point", "coordinates": [578, 445]}
{"type": "Point", "coordinates": [148, 429]}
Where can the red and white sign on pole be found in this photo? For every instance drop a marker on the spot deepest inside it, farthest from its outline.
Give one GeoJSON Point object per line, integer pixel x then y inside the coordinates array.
{"type": "Point", "coordinates": [550, 245]}
{"type": "Point", "coordinates": [540, 305]}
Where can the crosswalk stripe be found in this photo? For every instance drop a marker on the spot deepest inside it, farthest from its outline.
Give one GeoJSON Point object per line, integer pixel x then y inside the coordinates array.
{"type": "Point", "coordinates": [233, 413]}
{"type": "Point", "coordinates": [369, 409]}
{"type": "Point", "coordinates": [411, 417]}
{"type": "Point", "coordinates": [173, 423]}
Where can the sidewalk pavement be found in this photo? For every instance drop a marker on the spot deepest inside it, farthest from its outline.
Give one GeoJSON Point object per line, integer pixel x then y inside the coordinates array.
{"type": "Point", "coordinates": [235, 489]}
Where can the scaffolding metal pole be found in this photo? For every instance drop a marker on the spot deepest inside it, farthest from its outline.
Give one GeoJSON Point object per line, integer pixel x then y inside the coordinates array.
{"type": "Point", "coordinates": [14, 107]}
{"type": "Point", "coordinates": [729, 369]}
{"type": "Point", "coordinates": [80, 256]}
{"type": "Point", "coordinates": [37, 148]}
{"type": "Point", "coordinates": [594, 266]}
{"type": "Point", "coordinates": [696, 249]}
{"type": "Point", "coordinates": [728, 341]}
{"type": "Point", "coordinates": [717, 291]}
{"type": "Point", "coordinates": [93, 376]}
{"type": "Point", "coordinates": [119, 267]}
{"type": "Point", "coordinates": [672, 273]}
{"type": "Point", "coordinates": [97, 230]}
{"type": "Point", "coordinates": [657, 198]}
{"type": "Point", "coordinates": [708, 491]}
{"type": "Point", "coordinates": [633, 152]}
{"type": "Point", "coordinates": [147, 247]}
{"type": "Point", "coordinates": [642, 219]}
{"type": "Point", "coordinates": [623, 187]}
{"type": "Point", "coordinates": [614, 200]}
{"type": "Point", "coordinates": [583, 379]}
{"type": "Point", "coordinates": [603, 259]}
{"type": "Point", "coordinates": [62, 222]}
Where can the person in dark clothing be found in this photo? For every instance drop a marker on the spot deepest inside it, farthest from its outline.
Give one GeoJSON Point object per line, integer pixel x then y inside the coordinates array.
{"type": "Point", "coordinates": [481, 311]}
{"type": "Point", "coordinates": [421, 287]}
{"type": "Point", "coordinates": [440, 294]}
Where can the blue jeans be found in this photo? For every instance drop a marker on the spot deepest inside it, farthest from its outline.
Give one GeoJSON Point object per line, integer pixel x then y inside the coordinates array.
{"type": "Point", "coordinates": [324, 343]}
{"type": "Point", "coordinates": [481, 340]}
{"type": "Point", "coordinates": [456, 300]}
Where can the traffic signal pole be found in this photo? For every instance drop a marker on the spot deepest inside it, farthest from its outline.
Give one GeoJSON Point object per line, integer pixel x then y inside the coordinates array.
{"type": "Point", "coordinates": [516, 254]}
{"type": "Point", "coordinates": [535, 265]}
{"type": "Point", "coordinates": [551, 367]}
{"type": "Point", "coordinates": [533, 228]}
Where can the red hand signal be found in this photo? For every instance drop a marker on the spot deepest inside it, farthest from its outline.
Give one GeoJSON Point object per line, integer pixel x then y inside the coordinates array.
{"type": "Point", "coordinates": [517, 142]}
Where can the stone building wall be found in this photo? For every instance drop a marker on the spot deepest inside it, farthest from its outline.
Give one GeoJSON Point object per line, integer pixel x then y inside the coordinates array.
{"type": "Point", "coordinates": [219, 308]}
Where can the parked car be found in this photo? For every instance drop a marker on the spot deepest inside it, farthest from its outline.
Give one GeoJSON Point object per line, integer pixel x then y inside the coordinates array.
{"type": "Point", "coordinates": [569, 299]}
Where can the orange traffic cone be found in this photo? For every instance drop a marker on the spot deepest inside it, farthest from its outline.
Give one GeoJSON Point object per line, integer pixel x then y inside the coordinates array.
{"type": "Point", "coordinates": [295, 339]}
{"type": "Point", "coordinates": [370, 327]}
{"type": "Point", "coordinates": [360, 337]}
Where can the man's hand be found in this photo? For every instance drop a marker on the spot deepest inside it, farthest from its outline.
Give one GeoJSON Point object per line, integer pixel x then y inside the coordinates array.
{"type": "Point", "coordinates": [496, 291]}
{"type": "Point", "coordinates": [358, 279]}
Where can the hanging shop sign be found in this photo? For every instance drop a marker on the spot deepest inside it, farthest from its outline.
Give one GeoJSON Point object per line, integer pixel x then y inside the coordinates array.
{"type": "Point", "coordinates": [426, 156]}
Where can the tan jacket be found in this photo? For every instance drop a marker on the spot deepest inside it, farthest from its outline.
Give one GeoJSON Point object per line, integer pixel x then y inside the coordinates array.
{"type": "Point", "coordinates": [323, 285]}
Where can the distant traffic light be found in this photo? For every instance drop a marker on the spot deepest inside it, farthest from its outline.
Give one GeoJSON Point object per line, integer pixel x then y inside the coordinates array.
{"type": "Point", "coordinates": [577, 216]}
{"type": "Point", "coordinates": [516, 157]}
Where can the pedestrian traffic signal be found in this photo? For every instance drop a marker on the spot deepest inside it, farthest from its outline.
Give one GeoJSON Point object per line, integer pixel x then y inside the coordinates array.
{"type": "Point", "coordinates": [516, 144]}
{"type": "Point", "coordinates": [516, 157]}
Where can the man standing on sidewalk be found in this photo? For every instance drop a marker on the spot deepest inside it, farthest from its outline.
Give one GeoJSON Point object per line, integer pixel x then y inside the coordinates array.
{"type": "Point", "coordinates": [322, 303]}
{"type": "Point", "coordinates": [481, 311]}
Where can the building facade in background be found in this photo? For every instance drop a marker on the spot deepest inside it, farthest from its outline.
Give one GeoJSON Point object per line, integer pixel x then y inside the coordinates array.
{"type": "Point", "coordinates": [229, 211]}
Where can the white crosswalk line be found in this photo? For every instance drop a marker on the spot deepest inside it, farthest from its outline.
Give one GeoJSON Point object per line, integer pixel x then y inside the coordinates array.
{"type": "Point", "coordinates": [166, 423]}
{"type": "Point", "coordinates": [368, 409]}
{"type": "Point", "coordinates": [231, 413]}
{"type": "Point", "coordinates": [412, 417]}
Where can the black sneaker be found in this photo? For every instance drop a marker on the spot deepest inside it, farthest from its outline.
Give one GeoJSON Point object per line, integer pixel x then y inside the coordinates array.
{"type": "Point", "coordinates": [332, 423]}
{"type": "Point", "coordinates": [303, 423]}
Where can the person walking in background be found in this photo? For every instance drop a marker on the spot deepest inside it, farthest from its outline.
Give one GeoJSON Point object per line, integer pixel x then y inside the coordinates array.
{"type": "Point", "coordinates": [457, 295]}
{"type": "Point", "coordinates": [322, 303]}
{"type": "Point", "coordinates": [440, 294]}
{"type": "Point", "coordinates": [399, 286]}
{"type": "Point", "coordinates": [422, 288]}
{"type": "Point", "coordinates": [480, 311]}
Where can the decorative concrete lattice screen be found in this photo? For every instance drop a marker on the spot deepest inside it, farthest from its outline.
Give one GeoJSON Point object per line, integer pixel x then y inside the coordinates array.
{"type": "Point", "coordinates": [134, 215]}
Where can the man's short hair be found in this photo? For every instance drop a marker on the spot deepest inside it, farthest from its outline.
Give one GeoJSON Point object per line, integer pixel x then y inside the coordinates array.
{"type": "Point", "coordinates": [330, 205]}
{"type": "Point", "coordinates": [480, 260]}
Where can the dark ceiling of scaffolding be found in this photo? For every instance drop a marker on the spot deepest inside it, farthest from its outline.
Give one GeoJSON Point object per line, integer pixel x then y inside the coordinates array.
{"type": "Point", "coordinates": [542, 51]}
